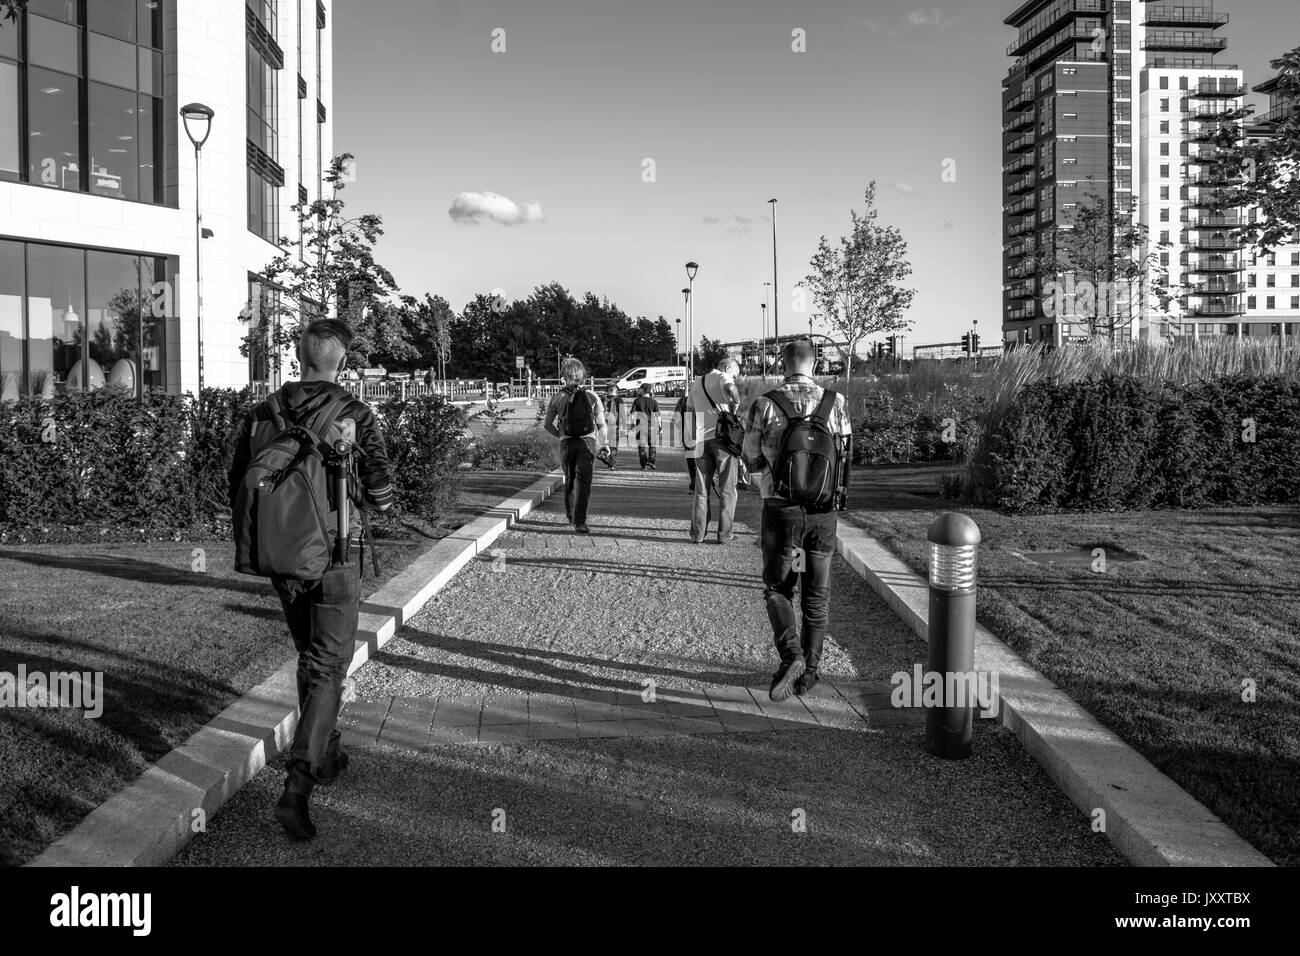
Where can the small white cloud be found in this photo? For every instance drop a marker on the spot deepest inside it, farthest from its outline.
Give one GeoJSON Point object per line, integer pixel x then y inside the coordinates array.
{"type": "Point", "coordinates": [933, 17]}
{"type": "Point", "coordinates": [903, 187]}
{"type": "Point", "coordinates": [872, 24]}
{"type": "Point", "coordinates": [711, 220]}
{"type": "Point", "coordinates": [949, 224]}
{"type": "Point", "coordinates": [473, 207]}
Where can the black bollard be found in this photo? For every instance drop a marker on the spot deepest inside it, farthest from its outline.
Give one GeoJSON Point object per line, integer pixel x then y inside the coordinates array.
{"type": "Point", "coordinates": [954, 541]}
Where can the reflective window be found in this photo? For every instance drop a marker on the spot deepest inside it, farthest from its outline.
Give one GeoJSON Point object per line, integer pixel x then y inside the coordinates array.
{"type": "Point", "coordinates": [9, 45]}
{"type": "Point", "coordinates": [113, 61]}
{"type": "Point", "coordinates": [114, 147]}
{"type": "Point", "coordinates": [113, 100]}
{"type": "Point", "coordinates": [9, 160]}
{"type": "Point", "coordinates": [54, 130]}
{"type": "Point", "coordinates": [56, 288]}
{"type": "Point", "coordinates": [112, 17]}
{"type": "Point", "coordinates": [11, 320]}
{"type": "Point", "coordinates": [115, 306]}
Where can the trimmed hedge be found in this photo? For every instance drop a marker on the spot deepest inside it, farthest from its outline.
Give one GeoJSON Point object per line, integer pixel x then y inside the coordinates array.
{"type": "Point", "coordinates": [1121, 443]}
{"type": "Point", "coordinates": [158, 468]}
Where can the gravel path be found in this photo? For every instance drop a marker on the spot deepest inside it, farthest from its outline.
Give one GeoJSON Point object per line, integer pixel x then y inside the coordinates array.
{"type": "Point", "coordinates": [577, 617]}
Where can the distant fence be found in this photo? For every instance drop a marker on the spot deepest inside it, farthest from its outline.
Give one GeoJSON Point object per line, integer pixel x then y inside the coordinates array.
{"type": "Point", "coordinates": [460, 390]}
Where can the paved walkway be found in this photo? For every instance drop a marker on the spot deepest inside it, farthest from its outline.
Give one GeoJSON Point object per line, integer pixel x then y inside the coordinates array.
{"type": "Point", "coordinates": [603, 699]}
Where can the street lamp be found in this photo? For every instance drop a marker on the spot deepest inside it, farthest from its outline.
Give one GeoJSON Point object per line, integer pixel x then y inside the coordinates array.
{"type": "Point", "coordinates": [689, 292]}
{"type": "Point", "coordinates": [776, 290]}
{"type": "Point", "coordinates": [678, 340]}
{"type": "Point", "coordinates": [198, 120]}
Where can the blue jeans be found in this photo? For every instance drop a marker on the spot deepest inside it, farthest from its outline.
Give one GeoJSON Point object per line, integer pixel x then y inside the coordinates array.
{"type": "Point", "coordinates": [577, 455]}
{"type": "Point", "coordinates": [786, 527]}
{"type": "Point", "coordinates": [322, 617]}
{"type": "Point", "coordinates": [714, 462]}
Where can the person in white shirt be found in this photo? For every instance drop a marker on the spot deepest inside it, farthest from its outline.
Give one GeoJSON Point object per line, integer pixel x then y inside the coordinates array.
{"type": "Point", "coordinates": [577, 418]}
{"type": "Point", "coordinates": [711, 393]}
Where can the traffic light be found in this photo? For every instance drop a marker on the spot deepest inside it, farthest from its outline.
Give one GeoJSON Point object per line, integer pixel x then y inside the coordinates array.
{"type": "Point", "coordinates": [974, 342]}
{"type": "Point", "coordinates": [890, 344]}
{"type": "Point", "coordinates": [966, 343]}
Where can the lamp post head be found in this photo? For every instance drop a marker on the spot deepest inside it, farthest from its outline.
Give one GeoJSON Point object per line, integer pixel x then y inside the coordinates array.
{"type": "Point", "coordinates": [686, 292]}
{"type": "Point", "coordinates": [771, 200]}
{"type": "Point", "coordinates": [198, 119]}
{"type": "Point", "coordinates": [691, 269]}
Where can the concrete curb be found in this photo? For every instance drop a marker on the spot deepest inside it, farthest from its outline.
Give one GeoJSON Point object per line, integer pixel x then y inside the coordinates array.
{"type": "Point", "coordinates": [152, 819]}
{"type": "Point", "coordinates": [1149, 818]}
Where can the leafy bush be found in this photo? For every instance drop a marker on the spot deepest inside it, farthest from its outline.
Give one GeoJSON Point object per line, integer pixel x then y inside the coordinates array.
{"type": "Point", "coordinates": [427, 441]}
{"type": "Point", "coordinates": [1121, 443]}
{"type": "Point", "coordinates": [530, 450]}
{"type": "Point", "coordinates": [159, 467]}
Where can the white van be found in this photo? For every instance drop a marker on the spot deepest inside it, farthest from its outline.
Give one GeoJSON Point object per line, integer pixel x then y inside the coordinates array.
{"type": "Point", "coordinates": [662, 379]}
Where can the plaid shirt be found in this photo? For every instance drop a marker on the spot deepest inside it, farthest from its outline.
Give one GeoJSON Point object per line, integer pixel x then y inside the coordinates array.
{"type": "Point", "coordinates": [766, 425]}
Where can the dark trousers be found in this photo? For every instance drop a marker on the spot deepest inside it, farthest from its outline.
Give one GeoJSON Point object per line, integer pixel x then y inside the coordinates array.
{"type": "Point", "coordinates": [322, 617]}
{"type": "Point", "coordinates": [692, 469]}
{"type": "Point", "coordinates": [577, 456]}
{"type": "Point", "coordinates": [786, 527]}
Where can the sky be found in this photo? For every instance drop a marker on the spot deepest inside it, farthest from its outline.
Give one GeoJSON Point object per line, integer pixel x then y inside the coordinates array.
{"type": "Point", "coordinates": [508, 170]}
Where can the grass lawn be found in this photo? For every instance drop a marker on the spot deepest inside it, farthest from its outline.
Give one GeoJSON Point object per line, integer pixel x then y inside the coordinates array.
{"type": "Point", "coordinates": [1158, 649]}
{"type": "Point", "coordinates": [175, 646]}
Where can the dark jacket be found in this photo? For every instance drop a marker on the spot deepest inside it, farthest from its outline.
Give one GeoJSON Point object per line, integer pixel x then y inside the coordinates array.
{"type": "Point", "coordinates": [302, 400]}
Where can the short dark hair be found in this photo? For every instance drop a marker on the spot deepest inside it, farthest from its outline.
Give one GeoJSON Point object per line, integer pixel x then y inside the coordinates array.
{"type": "Point", "coordinates": [325, 343]}
{"type": "Point", "coordinates": [798, 352]}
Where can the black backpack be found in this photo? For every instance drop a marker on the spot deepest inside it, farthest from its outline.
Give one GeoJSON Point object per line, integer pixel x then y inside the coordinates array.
{"type": "Point", "coordinates": [282, 510]}
{"type": "Point", "coordinates": [809, 461]}
{"type": "Point", "coordinates": [730, 433]}
{"type": "Point", "coordinates": [580, 414]}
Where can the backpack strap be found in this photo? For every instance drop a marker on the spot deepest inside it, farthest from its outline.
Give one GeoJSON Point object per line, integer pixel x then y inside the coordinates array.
{"type": "Point", "coordinates": [782, 402]}
{"type": "Point", "coordinates": [825, 407]}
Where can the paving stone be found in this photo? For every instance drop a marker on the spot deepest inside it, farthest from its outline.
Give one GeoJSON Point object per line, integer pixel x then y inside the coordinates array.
{"type": "Point", "coordinates": [733, 700]}
{"type": "Point", "coordinates": [552, 731]}
{"type": "Point", "coordinates": [597, 706]}
{"type": "Point", "coordinates": [550, 708]}
{"type": "Point", "coordinates": [457, 736]}
{"type": "Point", "coordinates": [458, 711]}
{"type": "Point", "coordinates": [361, 720]}
{"type": "Point", "coordinates": [408, 722]}
{"type": "Point", "coordinates": [505, 709]}
{"type": "Point", "coordinates": [602, 728]}
{"type": "Point", "coordinates": [832, 711]}
{"type": "Point", "coordinates": [740, 723]}
{"type": "Point", "coordinates": [503, 734]}
{"type": "Point", "coordinates": [788, 711]}
{"type": "Point", "coordinates": [687, 707]}
{"type": "Point", "coordinates": [703, 725]}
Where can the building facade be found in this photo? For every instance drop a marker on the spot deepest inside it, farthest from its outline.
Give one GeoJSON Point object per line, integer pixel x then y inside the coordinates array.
{"type": "Point", "coordinates": [98, 232]}
{"type": "Point", "coordinates": [1123, 99]}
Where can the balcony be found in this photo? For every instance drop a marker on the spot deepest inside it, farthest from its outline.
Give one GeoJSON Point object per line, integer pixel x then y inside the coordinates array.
{"type": "Point", "coordinates": [1023, 290]}
{"type": "Point", "coordinates": [1230, 307]}
{"type": "Point", "coordinates": [1210, 89]}
{"type": "Point", "coordinates": [1019, 313]}
{"type": "Point", "coordinates": [1021, 271]}
{"type": "Point", "coordinates": [1022, 185]}
{"type": "Point", "coordinates": [1220, 243]}
{"type": "Point", "coordinates": [1019, 162]}
{"type": "Point", "coordinates": [1179, 16]}
{"type": "Point", "coordinates": [1221, 287]}
{"type": "Point", "coordinates": [1212, 177]}
{"type": "Point", "coordinates": [1042, 24]}
{"type": "Point", "coordinates": [1178, 41]}
{"type": "Point", "coordinates": [1023, 207]}
{"type": "Point", "coordinates": [1211, 132]}
{"type": "Point", "coordinates": [1020, 228]}
{"type": "Point", "coordinates": [1022, 121]}
{"type": "Point", "coordinates": [1210, 112]}
{"type": "Point", "coordinates": [1216, 222]}
{"type": "Point", "coordinates": [1020, 144]}
{"type": "Point", "coordinates": [1039, 48]}
{"type": "Point", "coordinates": [1018, 249]}
{"type": "Point", "coordinates": [1277, 115]}
{"type": "Point", "coordinates": [1214, 264]}
{"type": "Point", "coordinates": [1024, 101]}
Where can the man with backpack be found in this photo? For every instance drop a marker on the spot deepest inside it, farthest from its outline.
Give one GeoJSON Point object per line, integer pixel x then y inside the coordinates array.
{"type": "Point", "coordinates": [294, 456]}
{"type": "Point", "coordinates": [576, 417]}
{"type": "Point", "coordinates": [685, 438]}
{"type": "Point", "coordinates": [646, 426]}
{"type": "Point", "coordinates": [713, 398]}
{"type": "Point", "coordinates": [800, 438]}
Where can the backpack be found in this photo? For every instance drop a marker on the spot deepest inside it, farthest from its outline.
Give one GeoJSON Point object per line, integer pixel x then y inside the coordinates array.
{"type": "Point", "coordinates": [730, 432]}
{"type": "Point", "coordinates": [281, 519]}
{"type": "Point", "coordinates": [580, 416]}
{"type": "Point", "coordinates": [809, 460]}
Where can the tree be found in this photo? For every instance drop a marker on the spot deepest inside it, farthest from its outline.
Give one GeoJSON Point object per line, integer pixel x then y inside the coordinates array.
{"type": "Point", "coordinates": [1095, 272]}
{"type": "Point", "coordinates": [336, 276]}
{"type": "Point", "coordinates": [1270, 168]}
{"type": "Point", "coordinates": [12, 9]}
{"type": "Point", "coordinates": [857, 287]}
{"type": "Point", "coordinates": [709, 355]}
